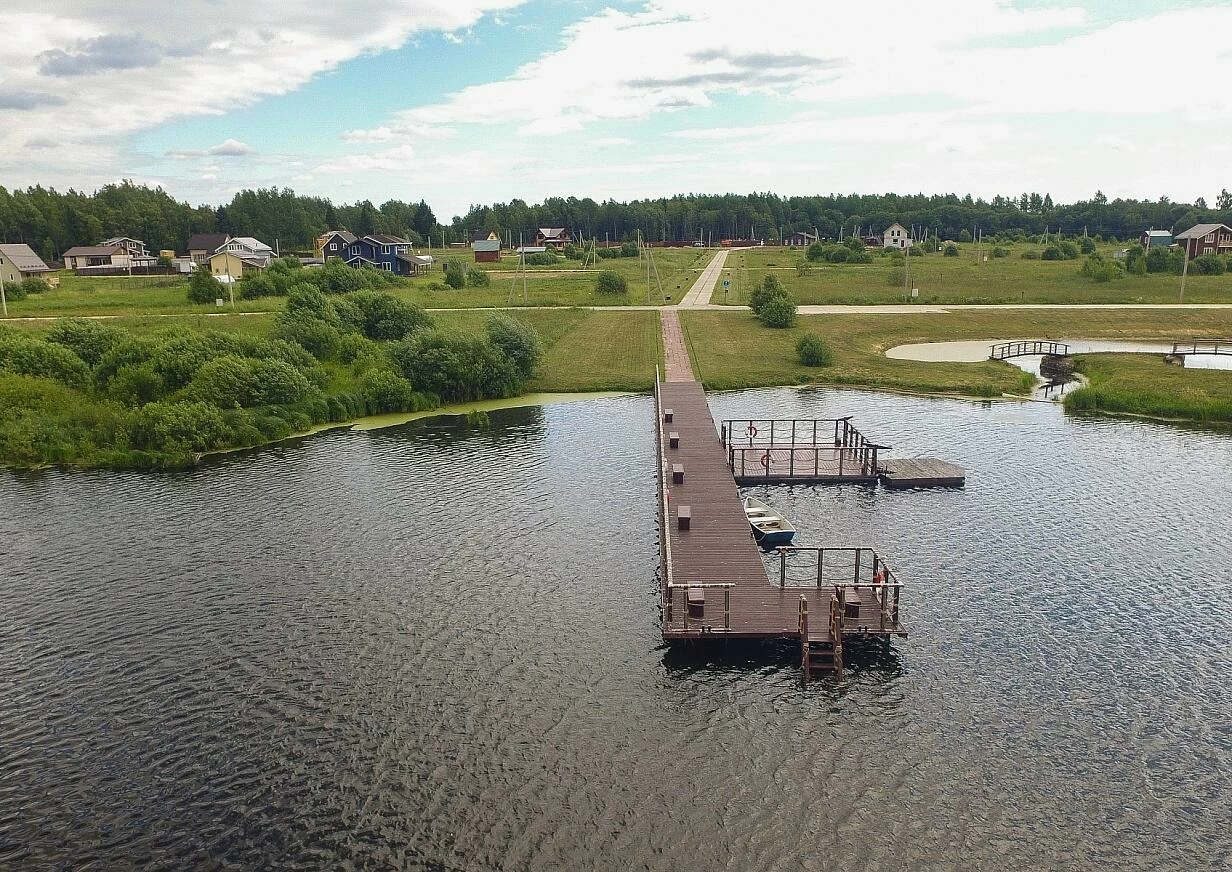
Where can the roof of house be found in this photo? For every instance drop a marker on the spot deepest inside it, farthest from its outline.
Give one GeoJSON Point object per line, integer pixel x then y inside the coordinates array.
{"type": "Point", "coordinates": [23, 257]}
{"type": "Point", "coordinates": [1200, 230]}
{"type": "Point", "coordinates": [207, 241]}
{"type": "Point", "coordinates": [385, 239]}
{"type": "Point", "coordinates": [486, 245]}
{"type": "Point", "coordinates": [246, 258]}
{"type": "Point", "coordinates": [1158, 232]}
{"type": "Point", "coordinates": [892, 226]}
{"type": "Point", "coordinates": [346, 236]}
{"type": "Point", "coordinates": [417, 259]}
{"type": "Point", "coordinates": [116, 240]}
{"type": "Point", "coordinates": [93, 250]}
{"type": "Point", "coordinates": [250, 243]}
{"type": "Point", "coordinates": [551, 232]}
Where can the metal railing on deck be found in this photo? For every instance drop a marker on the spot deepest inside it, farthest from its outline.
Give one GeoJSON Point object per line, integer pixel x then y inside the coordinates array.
{"type": "Point", "coordinates": [779, 448]}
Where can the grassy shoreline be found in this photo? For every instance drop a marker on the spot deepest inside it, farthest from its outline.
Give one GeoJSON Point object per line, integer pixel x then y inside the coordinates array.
{"type": "Point", "coordinates": [1143, 385]}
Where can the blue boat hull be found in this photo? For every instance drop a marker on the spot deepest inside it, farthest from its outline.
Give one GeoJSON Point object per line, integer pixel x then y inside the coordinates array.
{"type": "Point", "coordinates": [773, 539]}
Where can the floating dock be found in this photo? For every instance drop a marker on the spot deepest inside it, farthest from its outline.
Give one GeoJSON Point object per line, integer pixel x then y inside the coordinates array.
{"type": "Point", "coordinates": [918, 472]}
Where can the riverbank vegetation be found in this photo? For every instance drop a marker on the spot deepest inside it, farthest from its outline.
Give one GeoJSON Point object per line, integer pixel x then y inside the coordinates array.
{"type": "Point", "coordinates": [1144, 384]}
{"type": "Point", "coordinates": [970, 279]}
{"type": "Point", "coordinates": [90, 393]}
{"type": "Point", "coordinates": [734, 352]}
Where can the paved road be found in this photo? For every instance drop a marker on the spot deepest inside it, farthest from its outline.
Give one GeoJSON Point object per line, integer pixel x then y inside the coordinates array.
{"type": "Point", "coordinates": [699, 294]}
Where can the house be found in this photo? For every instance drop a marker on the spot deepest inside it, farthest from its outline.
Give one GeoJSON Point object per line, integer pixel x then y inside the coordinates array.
{"type": "Point", "coordinates": [557, 236]}
{"type": "Point", "coordinates": [227, 266]}
{"type": "Point", "coordinates": [380, 251]}
{"type": "Point", "coordinates": [1206, 239]}
{"type": "Point", "coordinates": [202, 245]}
{"type": "Point", "coordinates": [83, 257]}
{"type": "Point", "coordinates": [1155, 237]}
{"type": "Point", "coordinates": [799, 239]}
{"type": "Point", "coordinates": [18, 262]}
{"type": "Point", "coordinates": [134, 247]}
{"type": "Point", "coordinates": [332, 243]}
{"type": "Point", "coordinates": [248, 247]}
{"type": "Point", "coordinates": [896, 236]}
{"type": "Point", "coordinates": [486, 250]}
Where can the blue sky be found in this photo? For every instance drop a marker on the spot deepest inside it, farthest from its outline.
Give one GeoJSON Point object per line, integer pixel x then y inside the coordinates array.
{"type": "Point", "coordinates": [476, 101]}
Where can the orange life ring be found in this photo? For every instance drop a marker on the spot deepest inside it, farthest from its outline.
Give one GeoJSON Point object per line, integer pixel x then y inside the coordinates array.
{"type": "Point", "coordinates": [752, 431]}
{"type": "Point", "coordinates": [765, 461]}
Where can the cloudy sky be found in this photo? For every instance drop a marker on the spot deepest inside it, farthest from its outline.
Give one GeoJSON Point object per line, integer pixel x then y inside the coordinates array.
{"type": "Point", "coordinates": [474, 101]}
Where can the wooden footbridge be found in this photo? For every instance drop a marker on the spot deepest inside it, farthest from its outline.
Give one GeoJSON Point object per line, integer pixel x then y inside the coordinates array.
{"type": "Point", "coordinates": [713, 581]}
{"type": "Point", "coordinates": [1202, 346]}
{"type": "Point", "coordinates": [1026, 348]}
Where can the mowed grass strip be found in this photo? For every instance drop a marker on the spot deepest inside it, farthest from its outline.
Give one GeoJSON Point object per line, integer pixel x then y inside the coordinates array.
{"type": "Point", "coordinates": [959, 280]}
{"type": "Point", "coordinates": [735, 351]}
{"type": "Point", "coordinates": [1143, 384]}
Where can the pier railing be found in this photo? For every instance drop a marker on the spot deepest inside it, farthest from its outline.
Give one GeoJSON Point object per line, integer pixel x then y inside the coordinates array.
{"type": "Point", "coordinates": [1203, 346]}
{"type": "Point", "coordinates": [858, 577]}
{"type": "Point", "coordinates": [665, 539]}
{"type": "Point", "coordinates": [783, 449]}
{"type": "Point", "coordinates": [1006, 350]}
{"type": "Point", "coordinates": [671, 607]}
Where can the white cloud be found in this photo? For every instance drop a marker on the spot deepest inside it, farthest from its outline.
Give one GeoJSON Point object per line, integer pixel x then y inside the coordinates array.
{"type": "Point", "coordinates": [87, 75]}
{"type": "Point", "coordinates": [226, 148]}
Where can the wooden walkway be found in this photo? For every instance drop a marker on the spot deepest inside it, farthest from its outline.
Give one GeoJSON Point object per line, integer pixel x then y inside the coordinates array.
{"type": "Point", "coordinates": [714, 581]}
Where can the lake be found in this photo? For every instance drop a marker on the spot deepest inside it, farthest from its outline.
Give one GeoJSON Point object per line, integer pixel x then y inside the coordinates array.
{"type": "Point", "coordinates": [432, 647]}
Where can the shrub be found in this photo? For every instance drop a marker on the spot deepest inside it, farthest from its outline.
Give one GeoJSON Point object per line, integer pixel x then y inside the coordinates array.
{"type": "Point", "coordinates": [317, 337]}
{"type": "Point", "coordinates": [837, 254]}
{"type": "Point", "coordinates": [1208, 265]}
{"type": "Point", "coordinates": [89, 340]}
{"type": "Point", "coordinates": [455, 369]}
{"type": "Point", "coordinates": [1161, 260]}
{"type": "Point", "coordinates": [812, 351]}
{"type": "Point", "coordinates": [279, 383]}
{"type": "Point", "coordinates": [572, 252]}
{"type": "Point", "coordinates": [256, 285]}
{"type": "Point", "coordinates": [998, 251]}
{"type": "Point", "coordinates": [455, 275]}
{"type": "Point", "coordinates": [1100, 270]}
{"type": "Point", "coordinates": [1087, 245]}
{"type": "Point", "coordinates": [386, 391]}
{"type": "Point", "coordinates": [628, 249]}
{"type": "Point", "coordinates": [815, 252]}
{"type": "Point", "coordinates": [478, 278]}
{"type": "Point", "coordinates": [202, 286]}
{"type": "Point", "coordinates": [542, 258]}
{"type": "Point", "coordinates": [860, 257]}
{"type": "Point", "coordinates": [1031, 254]}
{"type": "Point", "coordinates": [1052, 252]}
{"type": "Point", "coordinates": [779, 312]}
{"type": "Point", "coordinates": [136, 385]}
{"type": "Point", "coordinates": [609, 282]}
{"type": "Point", "coordinates": [25, 356]}
{"type": "Point", "coordinates": [964, 235]}
{"type": "Point", "coordinates": [951, 250]}
{"type": "Point", "coordinates": [338, 278]}
{"type": "Point", "coordinates": [381, 316]}
{"type": "Point", "coordinates": [1069, 250]}
{"type": "Point", "coordinates": [227, 382]}
{"type": "Point", "coordinates": [608, 253]}
{"type": "Point", "coordinates": [14, 291]}
{"type": "Point", "coordinates": [179, 428]}
{"type": "Point", "coordinates": [769, 288]}
{"type": "Point", "coordinates": [353, 346]}
{"type": "Point", "coordinates": [519, 342]}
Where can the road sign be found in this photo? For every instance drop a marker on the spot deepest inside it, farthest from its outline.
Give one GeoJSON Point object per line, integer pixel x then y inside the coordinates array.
{"type": "Point", "coordinates": [726, 284]}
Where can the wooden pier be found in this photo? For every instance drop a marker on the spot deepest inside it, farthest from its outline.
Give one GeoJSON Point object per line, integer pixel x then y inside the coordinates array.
{"type": "Point", "coordinates": [714, 582]}
{"type": "Point", "coordinates": [917, 472]}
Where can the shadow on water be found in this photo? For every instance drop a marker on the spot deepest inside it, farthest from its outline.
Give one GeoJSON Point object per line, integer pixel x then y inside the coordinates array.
{"type": "Point", "coordinates": [867, 658]}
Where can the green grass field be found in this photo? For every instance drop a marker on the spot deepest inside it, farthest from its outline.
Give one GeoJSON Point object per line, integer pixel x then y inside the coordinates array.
{"type": "Point", "coordinates": [959, 280]}
{"type": "Point", "coordinates": [1143, 384]}
{"type": "Point", "coordinates": [735, 351]}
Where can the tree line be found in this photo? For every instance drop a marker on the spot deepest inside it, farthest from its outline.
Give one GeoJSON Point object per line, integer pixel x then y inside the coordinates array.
{"type": "Point", "coordinates": [51, 222]}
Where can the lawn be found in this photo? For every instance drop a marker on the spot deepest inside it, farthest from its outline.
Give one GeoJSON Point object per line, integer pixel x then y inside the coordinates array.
{"type": "Point", "coordinates": [735, 351]}
{"type": "Point", "coordinates": [959, 280]}
{"type": "Point", "coordinates": [568, 285]}
{"type": "Point", "coordinates": [1143, 384]}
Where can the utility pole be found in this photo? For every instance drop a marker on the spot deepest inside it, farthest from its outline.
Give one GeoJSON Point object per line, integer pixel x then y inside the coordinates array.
{"type": "Point", "coordinates": [1184, 271]}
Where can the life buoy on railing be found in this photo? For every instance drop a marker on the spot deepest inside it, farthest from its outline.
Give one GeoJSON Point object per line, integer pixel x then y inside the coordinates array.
{"type": "Point", "coordinates": [879, 576]}
{"type": "Point", "coordinates": [765, 461]}
{"type": "Point", "coordinates": [752, 431]}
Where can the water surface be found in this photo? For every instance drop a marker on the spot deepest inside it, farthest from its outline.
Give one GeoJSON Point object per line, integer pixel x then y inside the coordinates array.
{"type": "Point", "coordinates": [430, 647]}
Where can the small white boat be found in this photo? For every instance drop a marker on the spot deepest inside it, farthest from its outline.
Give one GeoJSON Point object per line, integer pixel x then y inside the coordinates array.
{"type": "Point", "coordinates": [769, 527]}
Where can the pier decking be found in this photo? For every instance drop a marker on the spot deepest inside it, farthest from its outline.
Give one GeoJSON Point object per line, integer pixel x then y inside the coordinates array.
{"type": "Point", "coordinates": [713, 582]}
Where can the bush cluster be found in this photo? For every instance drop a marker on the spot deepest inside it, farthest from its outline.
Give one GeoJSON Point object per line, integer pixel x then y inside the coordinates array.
{"type": "Point", "coordinates": [92, 394]}
{"type": "Point", "coordinates": [772, 304]}
{"type": "Point", "coordinates": [813, 351]}
{"type": "Point", "coordinates": [24, 288]}
{"type": "Point", "coordinates": [610, 282]}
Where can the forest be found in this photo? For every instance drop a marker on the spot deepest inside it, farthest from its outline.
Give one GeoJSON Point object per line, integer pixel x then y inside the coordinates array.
{"type": "Point", "coordinates": [51, 222]}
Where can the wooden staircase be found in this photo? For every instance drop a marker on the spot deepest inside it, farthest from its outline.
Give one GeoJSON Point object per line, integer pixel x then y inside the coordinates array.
{"type": "Point", "coordinates": [821, 653]}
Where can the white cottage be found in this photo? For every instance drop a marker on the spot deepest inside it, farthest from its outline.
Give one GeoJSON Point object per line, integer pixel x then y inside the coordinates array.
{"type": "Point", "coordinates": [896, 236]}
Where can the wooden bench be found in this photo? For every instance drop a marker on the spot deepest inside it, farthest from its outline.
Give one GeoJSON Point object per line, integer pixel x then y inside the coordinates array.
{"type": "Point", "coordinates": [684, 514]}
{"type": "Point", "coordinates": [695, 598]}
{"type": "Point", "coordinates": [677, 473]}
{"type": "Point", "coordinates": [667, 416]}
{"type": "Point", "coordinates": [673, 439]}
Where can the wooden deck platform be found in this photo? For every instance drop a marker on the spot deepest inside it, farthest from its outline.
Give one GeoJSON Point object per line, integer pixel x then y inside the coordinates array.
{"type": "Point", "coordinates": [919, 472]}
